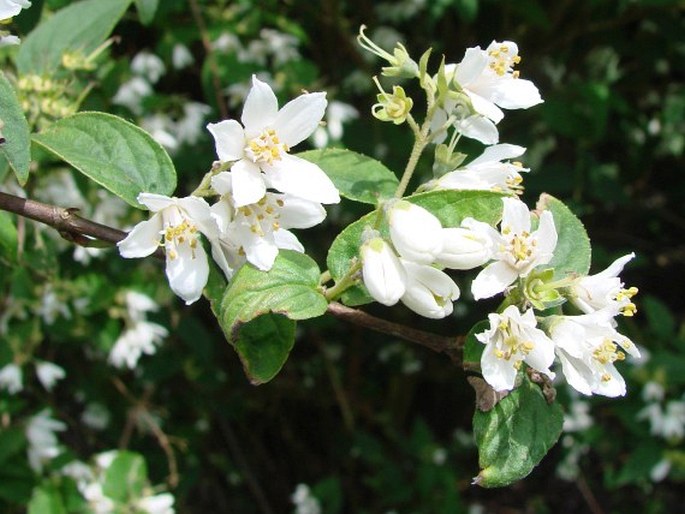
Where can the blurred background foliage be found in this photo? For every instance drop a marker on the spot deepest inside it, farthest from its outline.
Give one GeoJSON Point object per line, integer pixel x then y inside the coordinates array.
{"type": "Point", "coordinates": [371, 424]}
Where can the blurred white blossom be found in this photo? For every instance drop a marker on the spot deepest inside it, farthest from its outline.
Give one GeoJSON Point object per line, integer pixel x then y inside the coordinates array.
{"type": "Point", "coordinates": [11, 378]}
{"type": "Point", "coordinates": [43, 444]}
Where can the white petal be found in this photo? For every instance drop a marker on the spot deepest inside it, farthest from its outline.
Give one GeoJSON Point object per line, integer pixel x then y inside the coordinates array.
{"type": "Point", "coordinates": [546, 236]}
{"type": "Point", "coordinates": [383, 275]}
{"type": "Point", "coordinates": [494, 279]}
{"type": "Point", "coordinates": [261, 108]}
{"type": "Point", "coordinates": [463, 249]}
{"type": "Point", "coordinates": [616, 267]}
{"type": "Point", "coordinates": [479, 128]}
{"type": "Point", "coordinates": [485, 107]}
{"type": "Point", "coordinates": [260, 251]}
{"type": "Point", "coordinates": [577, 373]}
{"type": "Point", "coordinates": [615, 386]}
{"type": "Point", "coordinates": [223, 182]}
{"type": "Point", "coordinates": [430, 292]}
{"type": "Point", "coordinates": [499, 373]}
{"type": "Point", "coordinates": [155, 202]}
{"type": "Point", "coordinates": [302, 179]}
{"type": "Point", "coordinates": [415, 232]}
{"type": "Point", "coordinates": [298, 119]}
{"type": "Point", "coordinates": [299, 213]}
{"type": "Point", "coordinates": [516, 215]}
{"type": "Point", "coordinates": [248, 183]}
{"type": "Point", "coordinates": [143, 240]}
{"type": "Point", "coordinates": [471, 67]}
{"type": "Point", "coordinates": [229, 140]}
{"type": "Point", "coordinates": [222, 212]}
{"type": "Point", "coordinates": [515, 94]}
{"type": "Point", "coordinates": [286, 240]}
{"type": "Point", "coordinates": [188, 272]}
{"type": "Point", "coordinates": [498, 153]}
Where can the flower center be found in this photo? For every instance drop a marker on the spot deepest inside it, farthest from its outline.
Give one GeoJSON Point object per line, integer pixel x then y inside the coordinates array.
{"type": "Point", "coordinates": [266, 147]}
{"type": "Point", "coordinates": [520, 248]}
{"type": "Point", "coordinates": [502, 61]}
{"type": "Point", "coordinates": [607, 353]}
{"type": "Point", "coordinates": [511, 343]}
{"type": "Point", "coordinates": [263, 216]}
{"type": "Point", "coordinates": [624, 295]}
{"type": "Point", "coordinates": [176, 234]}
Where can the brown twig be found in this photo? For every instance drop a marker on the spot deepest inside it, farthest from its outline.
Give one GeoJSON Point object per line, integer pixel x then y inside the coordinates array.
{"type": "Point", "coordinates": [67, 222]}
{"type": "Point", "coordinates": [450, 346]}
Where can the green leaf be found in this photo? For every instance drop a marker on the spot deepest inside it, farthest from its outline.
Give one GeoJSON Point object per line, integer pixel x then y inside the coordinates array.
{"type": "Point", "coordinates": [473, 348]}
{"type": "Point", "coordinates": [8, 238]}
{"type": "Point", "coordinates": [289, 289]}
{"type": "Point", "coordinates": [12, 441]}
{"type": "Point", "coordinates": [450, 207]}
{"type": "Point", "coordinates": [573, 252]}
{"type": "Point", "coordinates": [46, 500]}
{"type": "Point", "coordinates": [146, 10]}
{"type": "Point", "coordinates": [113, 152]}
{"type": "Point", "coordinates": [79, 27]}
{"type": "Point", "coordinates": [515, 435]}
{"type": "Point", "coordinates": [125, 477]}
{"type": "Point", "coordinates": [356, 176]}
{"type": "Point", "coordinates": [17, 145]}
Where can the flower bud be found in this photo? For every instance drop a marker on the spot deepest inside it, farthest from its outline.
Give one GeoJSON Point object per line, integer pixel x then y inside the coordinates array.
{"type": "Point", "coordinates": [430, 292]}
{"type": "Point", "coordinates": [415, 232]}
{"type": "Point", "coordinates": [382, 272]}
{"type": "Point", "coordinates": [464, 248]}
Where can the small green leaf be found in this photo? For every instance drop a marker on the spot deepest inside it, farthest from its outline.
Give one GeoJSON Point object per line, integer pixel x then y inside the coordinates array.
{"type": "Point", "coordinates": [113, 152]}
{"type": "Point", "coordinates": [46, 500]}
{"type": "Point", "coordinates": [356, 176]}
{"type": "Point", "coordinates": [289, 289]}
{"type": "Point", "coordinates": [515, 435]}
{"type": "Point", "coordinates": [473, 348]}
{"type": "Point", "coordinates": [41, 51]}
{"type": "Point", "coordinates": [573, 252]}
{"type": "Point", "coordinates": [8, 238]}
{"type": "Point", "coordinates": [12, 441]}
{"type": "Point", "coordinates": [450, 207]}
{"type": "Point", "coordinates": [125, 477]}
{"type": "Point", "coordinates": [17, 145]}
{"type": "Point", "coordinates": [146, 10]}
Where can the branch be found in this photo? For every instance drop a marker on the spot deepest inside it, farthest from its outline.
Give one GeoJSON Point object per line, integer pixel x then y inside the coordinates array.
{"type": "Point", "coordinates": [70, 225]}
{"type": "Point", "coordinates": [450, 346]}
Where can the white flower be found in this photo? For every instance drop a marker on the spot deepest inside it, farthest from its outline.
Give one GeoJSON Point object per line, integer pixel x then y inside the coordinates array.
{"type": "Point", "coordinates": [181, 56]}
{"type": "Point", "coordinates": [605, 290]}
{"type": "Point", "coordinates": [464, 248]}
{"type": "Point", "coordinates": [261, 147]}
{"type": "Point", "coordinates": [337, 114]}
{"type": "Point", "coordinates": [488, 78]}
{"type": "Point", "coordinates": [179, 223]}
{"type": "Point", "coordinates": [578, 417]}
{"type": "Point", "coordinates": [415, 232]}
{"type": "Point", "coordinates": [429, 291]}
{"type": "Point", "coordinates": [258, 230]}
{"type": "Point", "coordinates": [8, 40]}
{"type": "Point", "coordinates": [10, 8]}
{"type": "Point", "coordinates": [51, 306]}
{"type": "Point", "coordinates": [148, 65]}
{"type": "Point", "coordinates": [474, 126]}
{"type": "Point", "coordinates": [587, 347]}
{"type": "Point", "coordinates": [511, 339]}
{"type": "Point", "coordinates": [383, 274]}
{"type": "Point", "coordinates": [190, 127]}
{"type": "Point", "coordinates": [49, 373]}
{"type": "Point", "coordinates": [487, 172]}
{"type": "Point", "coordinates": [304, 501]}
{"type": "Point", "coordinates": [11, 378]}
{"type": "Point", "coordinates": [96, 498]}
{"type": "Point", "coordinates": [43, 443]}
{"type": "Point", "coordinates": [660, 470]}
{"type": "Point", "coordinates": [283, 47]}
{"type": "Point", "coordinates": [162, 128]}
{"type": "Point", "coordinates": [79, 471]}
{"type": "Point", "coordinates": [157, 504]}
{"type": "Point", "coordinates": [131, 93]}
{"type": "Point", "coordinates": [96, 416]}
{"type": "Point", "coordinates": [517, 250]}
{"type": "Point", "coordinates": [138, 305]}
{"type": "Point", "coordinates": [142, 338]}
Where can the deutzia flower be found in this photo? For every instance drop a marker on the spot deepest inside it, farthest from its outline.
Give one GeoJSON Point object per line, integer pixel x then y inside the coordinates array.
{"type": "Point", "coordinates": [10, 8]}
{"type": "Point", "coordinates": [11, 378]}
{"type": "Point", "coordinates": [49, 373]}
{"type": "Point", "coordinates": [487, 172]}
{"type": "Point", "coordinates": [142, 338]}
{"type": "Point", "coordinates": [464, 248]}
{"type": "Point", "coordinates": [148, 65]}
{"type": "Point", "coordinates": [415, 232]}
{"type": "Point", "coordinates": [43, 443]}
{"type": "Point", "coordinates": [511, 339]}
{"type": "Point", "coordinates": [157, 504]}
{"type": "Point", "coordinates": [605, 290]}
{"type": "Point", "coordinates": [488, 78]}
{"type": "Point", "coordinates": [429, 291]}
{"type": "Point", "coordinates": [587, 347]}
{"type": "Point", "coordinates": [258, 230]}
{"type": "Point", "coordinates": [517, 249]}
{"type": "Point", "coordinates": [260, 147]}
{"type": "Point", "coordinates": [382, 272]}
{"type": "Point", "coordinates": [178, 222]}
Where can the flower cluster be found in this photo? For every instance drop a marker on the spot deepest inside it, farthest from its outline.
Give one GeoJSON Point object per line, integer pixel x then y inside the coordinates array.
{"type": "Point", "coordinates": [262, 192]}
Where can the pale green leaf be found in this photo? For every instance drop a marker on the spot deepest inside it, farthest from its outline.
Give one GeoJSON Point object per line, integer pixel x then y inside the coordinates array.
{"type": "Point", "coordinates": [146, 10]}
{"type": "Point", "coordinates": [356, 176]}
{"type": "Point", "coordinates": [515, 435]}
{"type": "Point", "coordinates": [573, 252]}
{"type": "Point", "coordinates": [113, 152]}
{"type": "Point", "coordinates": [15, 130]}
{"type": "Point", "coordinates": [79, 27]}
{"type": "Point", "coordinates": [46, 500]}
{"type": "Point", "coordinates": [289, 290]}
{"type": "Point", "coordinates": [125, 477]}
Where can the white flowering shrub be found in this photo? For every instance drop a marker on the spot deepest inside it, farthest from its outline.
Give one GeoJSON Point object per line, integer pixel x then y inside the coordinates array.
{"type": "Point", "coordinates": [222, 195]}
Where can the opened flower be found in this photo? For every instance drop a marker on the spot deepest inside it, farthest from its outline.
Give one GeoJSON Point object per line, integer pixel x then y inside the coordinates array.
{"type": "Point", "coordinates": [513, 338]}
{"type": "Point", "coordinates": [178, 222]}
{"type": "Point", "coordinates": [605, 290]}
{"type": "Point", "coordinates": [517, 249]}
{"type": "Point", "coordinates": [10, 8]}
{"type": "Point", "coordinates": [588, 346]}
{"type": "Point", "coordinates": [260, 147]}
